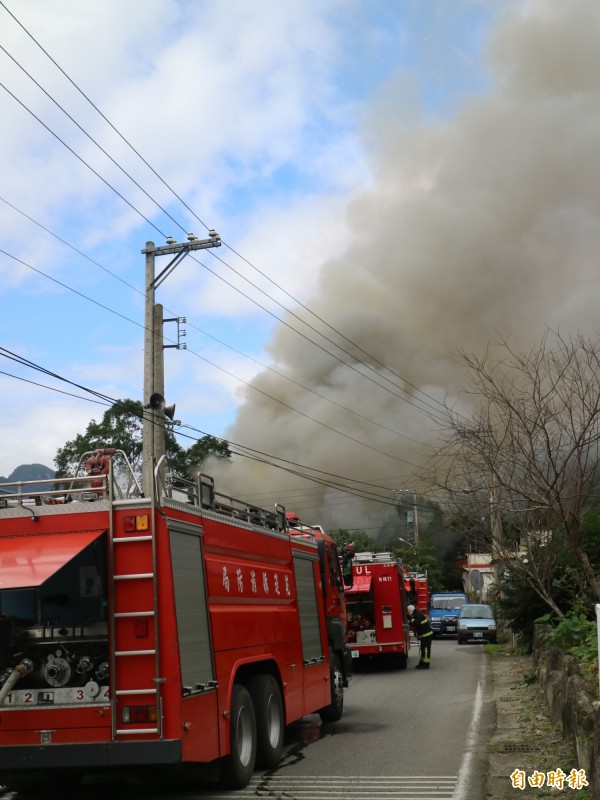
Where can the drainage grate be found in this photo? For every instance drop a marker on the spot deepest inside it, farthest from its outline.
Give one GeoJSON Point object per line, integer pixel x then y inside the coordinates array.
{"type": "Point", "coordinates": [518, 747]}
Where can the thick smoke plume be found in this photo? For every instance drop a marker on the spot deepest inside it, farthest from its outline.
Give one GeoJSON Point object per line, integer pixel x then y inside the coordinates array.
{"type": "Point", "coordinates": [480, 227]}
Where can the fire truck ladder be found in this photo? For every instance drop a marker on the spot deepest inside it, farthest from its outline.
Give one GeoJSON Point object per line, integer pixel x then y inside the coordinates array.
{"type": "Point", "coordinates": [138, 548]}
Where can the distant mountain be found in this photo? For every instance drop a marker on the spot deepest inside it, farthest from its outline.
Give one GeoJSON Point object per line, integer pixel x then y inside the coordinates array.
{"type": "Point", "coordinates": [29, 472]}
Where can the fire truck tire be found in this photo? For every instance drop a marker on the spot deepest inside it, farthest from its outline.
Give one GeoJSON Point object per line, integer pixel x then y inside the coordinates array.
{"type": "Point", "coordinates": [334, 711]}
{"type": "Point", "coordinates": [238, 766]}
{"type": "Point", "coordinates": [68, 781]}
{"type": "Point", "coordinates": [268, 709]}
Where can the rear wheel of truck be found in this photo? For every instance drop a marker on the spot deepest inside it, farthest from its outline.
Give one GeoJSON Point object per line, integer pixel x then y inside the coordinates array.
{"type": "Point", "coordinates": [67, 781]}
{"type": "Point", "coordinates": [401, 660]}
{"type": "Point", "coordinates": [238, 766]}
{"type": "Point", "coordinates": [334, 711]}
{"type": "Point", "coordinates": [268, 709]}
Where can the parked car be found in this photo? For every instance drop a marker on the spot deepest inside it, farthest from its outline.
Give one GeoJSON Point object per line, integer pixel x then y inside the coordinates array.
{"type": "Point", "coordinates": [444, 608]}
{"type": "Point", "coordinates": [476, 621]}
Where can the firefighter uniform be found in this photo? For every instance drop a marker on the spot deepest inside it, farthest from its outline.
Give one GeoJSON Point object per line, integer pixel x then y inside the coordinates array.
{"type": "Point", "coordinates": [419, 622]}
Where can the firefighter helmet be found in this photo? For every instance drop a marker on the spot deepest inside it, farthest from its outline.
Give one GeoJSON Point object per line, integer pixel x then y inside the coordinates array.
{"type": "Point", "coordinates": [411, 610]}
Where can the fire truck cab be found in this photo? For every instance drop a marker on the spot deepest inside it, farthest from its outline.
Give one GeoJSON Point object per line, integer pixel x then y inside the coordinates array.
{"type": "Point", "coordinates": [186, 628]}
{"type": "Point", "coordinates": [376, 605]}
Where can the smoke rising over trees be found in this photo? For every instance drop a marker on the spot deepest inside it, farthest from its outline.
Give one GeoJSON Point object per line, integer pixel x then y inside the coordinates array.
{"type": "Point", "coordinates": [481, 226]}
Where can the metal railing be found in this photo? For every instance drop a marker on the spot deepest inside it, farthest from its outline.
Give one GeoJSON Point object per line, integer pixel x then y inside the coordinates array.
{"type": "Point", "coordinates": [201, 492]}
{"type": "Point", "coordinates": [120, 482]}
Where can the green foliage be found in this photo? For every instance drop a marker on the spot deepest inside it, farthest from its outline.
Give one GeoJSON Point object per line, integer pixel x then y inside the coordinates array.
{"type": "Point", "coordinates": [495, 648]}
{"type": "Point", "coordinates": [561, 575]}
{"type": "Point", "coordinates": [570, 631]}
{"type": "Point", "coordinates": [190, 461]}
{"type": "Point", "coordinates": [577, 636]}
{"type": "Point", "coordinates": [424, 558]}
{"type": "Point", "coordinates": [521, 607]}
{"type": "Point", "coordinates": [362, 542]}
{"type": "Point", "coordinates": [122, 427]}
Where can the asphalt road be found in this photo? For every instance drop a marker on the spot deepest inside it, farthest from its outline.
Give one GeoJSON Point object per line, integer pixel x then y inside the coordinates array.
{"type": "Point", "coordinates": [405, 734]}
{"type": "Point", "coordinates": [402, 731]}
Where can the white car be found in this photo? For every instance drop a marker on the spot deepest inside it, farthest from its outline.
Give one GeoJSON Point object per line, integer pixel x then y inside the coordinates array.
{"type": "Point", "coordinates": [476, 622]}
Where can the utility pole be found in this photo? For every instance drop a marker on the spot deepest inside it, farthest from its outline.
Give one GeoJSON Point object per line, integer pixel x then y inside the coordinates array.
{"type": "Point", "coordinates": [416, 517]}
{"type": "Point", "coordinates": [495, 523]}
{"type": "Point", "coordinates": [397, 493]}
{"type": "Point", "coordinates": [154, 376]}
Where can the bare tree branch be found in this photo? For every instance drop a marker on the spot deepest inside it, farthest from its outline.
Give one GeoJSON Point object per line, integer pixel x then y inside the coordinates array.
{"type": "Point", "coordinates": [530, 450]}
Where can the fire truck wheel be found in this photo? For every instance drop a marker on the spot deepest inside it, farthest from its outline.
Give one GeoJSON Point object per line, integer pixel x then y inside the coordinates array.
{"type": "Point", "coordinates": [68, 781]}
{"type": "Point", "coordinates": [401, 661]}
{"type": "Point", "coordinates": [268, 708]}
{"type": "Point", "coordinates": [334, 711]}
{"type": "Point", "coordinates": [238, 766]}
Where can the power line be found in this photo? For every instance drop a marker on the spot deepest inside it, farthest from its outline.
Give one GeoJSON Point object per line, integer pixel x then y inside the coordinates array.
{"type": "Point", "coordinates": [220, 277]}
{"type": "Point", "coordinates": [352, 356]}
{"type": "Point", "coordinates": [283, 322]}
{"type": "Point", "coordinates": [208, 361]}
{"type": "Point", "coordinates": [90, 137]}
{"type": "Point", "coordinates": [259, 454]}
{"type": "Point", "coordinates": [82, 160]}
{"type": "Point", "coordinates": [104, 399]}
{"type": "Point", "coordinates": [358, 347]}
{"type": "Point", "coordinates": [52, 388]}
{"type": "Point", "coordinates": [209, 335]}
{"type": "Point", "coordinates": [104, 117]}
{"type": "Point", "coordinates": [316, 344]}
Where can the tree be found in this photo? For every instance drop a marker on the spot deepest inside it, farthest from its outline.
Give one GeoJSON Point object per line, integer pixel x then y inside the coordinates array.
{"type": "Point", "coordinates": [122, 427]}
{"type": "Point", "coordinates": [363, 543]}
{"type": "Point", "coordinates": [190, 461]}
{"type": "Point", "coordinates": [528, 456]}
{"type": "Point", "coordinates": [425, 558]}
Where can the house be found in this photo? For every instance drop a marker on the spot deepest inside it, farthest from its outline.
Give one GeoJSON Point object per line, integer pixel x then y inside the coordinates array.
{"type": "Point", "coordinates": [478, 573]}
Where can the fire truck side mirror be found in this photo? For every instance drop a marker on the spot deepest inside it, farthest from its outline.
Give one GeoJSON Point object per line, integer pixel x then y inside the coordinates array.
{"type": "Point", "coordinates": [347, 575]}
{"type": "Point", "coordinates": [347, 556]}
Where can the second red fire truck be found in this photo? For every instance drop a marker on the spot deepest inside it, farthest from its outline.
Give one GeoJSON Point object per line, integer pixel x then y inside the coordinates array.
{"type": "Point", "coordinates": [182, 629]}
{"type": "Point", "coordinates": [376, 604]}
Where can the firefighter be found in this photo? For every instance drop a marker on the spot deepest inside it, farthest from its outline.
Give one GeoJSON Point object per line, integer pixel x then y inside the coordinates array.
{"type": "Point", "coordinates": [419, 622]}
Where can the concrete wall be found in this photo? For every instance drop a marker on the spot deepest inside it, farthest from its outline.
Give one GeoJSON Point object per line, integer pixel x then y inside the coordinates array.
{"type": "Point", "coordinates": [571, 705]}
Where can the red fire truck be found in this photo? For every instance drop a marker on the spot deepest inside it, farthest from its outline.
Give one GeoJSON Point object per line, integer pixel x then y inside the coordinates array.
{"type": "Point", "coordinates": [417, 588]}
{"type": "Point", "coordinates": [186, 628]}
{"type": "Point", "coordinates": [376, 605]}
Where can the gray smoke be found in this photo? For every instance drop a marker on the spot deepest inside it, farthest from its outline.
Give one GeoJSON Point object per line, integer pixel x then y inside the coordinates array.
{"type": "Point", "coordinates": [482, 226]}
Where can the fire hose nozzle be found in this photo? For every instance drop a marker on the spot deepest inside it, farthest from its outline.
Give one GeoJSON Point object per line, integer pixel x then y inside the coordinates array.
{"type": "Point", "coordinates": [25, 667]}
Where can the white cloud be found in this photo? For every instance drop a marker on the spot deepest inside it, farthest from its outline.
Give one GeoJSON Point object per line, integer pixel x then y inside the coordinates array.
{"type": "Point", "coordinates": [250, 111]}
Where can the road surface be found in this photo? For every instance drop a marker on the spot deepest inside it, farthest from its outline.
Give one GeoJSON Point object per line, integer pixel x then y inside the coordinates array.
{"type": "Point", "coordinates": [405, 734]}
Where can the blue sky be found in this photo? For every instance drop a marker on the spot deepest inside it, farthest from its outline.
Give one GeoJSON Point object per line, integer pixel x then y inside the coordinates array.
{"type": "Point", "coordinates": [254, 113]}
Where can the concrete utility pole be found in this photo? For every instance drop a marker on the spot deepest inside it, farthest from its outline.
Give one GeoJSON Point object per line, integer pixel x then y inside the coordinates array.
{"type": "Point", "coordinates": [397, 493]}
{"type": "Point", "coordinates": [154, 375]}
{"type": "Point", "coordinates": [495, 523]}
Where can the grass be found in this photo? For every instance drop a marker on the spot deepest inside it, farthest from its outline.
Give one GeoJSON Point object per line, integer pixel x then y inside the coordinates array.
{"type": "Point", "coordinates": [494, 649]}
